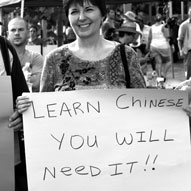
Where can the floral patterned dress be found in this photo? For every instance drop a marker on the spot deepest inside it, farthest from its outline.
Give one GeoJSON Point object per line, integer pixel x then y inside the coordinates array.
{"type": "Point", "coordinates": [64, 71]}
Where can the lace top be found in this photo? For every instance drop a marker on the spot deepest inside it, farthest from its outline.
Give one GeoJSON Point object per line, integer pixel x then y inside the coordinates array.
{"type": "Point", "coordinates": [64, 71]}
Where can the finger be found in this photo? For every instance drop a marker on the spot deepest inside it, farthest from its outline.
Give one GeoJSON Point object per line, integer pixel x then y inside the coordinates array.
{"type": "Point", "coordinates": [22, 108]}
{"type": "Point", "coordinates": [23, 105]}
{"type": "Point", "coordinates": [14, 116]}
{"type": "Point", "coordinates": [19, 98]}
{"type": "Point", "coordinates": [22, 99]}
{"type": "Point", "coordinates": [16, 124]}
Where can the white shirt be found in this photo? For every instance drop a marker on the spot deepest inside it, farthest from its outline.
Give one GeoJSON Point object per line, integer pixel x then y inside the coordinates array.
{"type": "Point", "coordinates": [158, 38]}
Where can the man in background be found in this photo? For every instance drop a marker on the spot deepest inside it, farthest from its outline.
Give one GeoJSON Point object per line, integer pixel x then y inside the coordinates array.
{"type": "Point", "coordinates": [33, 36]}
{"type": "Point", "coordinates": [184, 43]}
{"type": "Point", "coordinates": [18, 35]}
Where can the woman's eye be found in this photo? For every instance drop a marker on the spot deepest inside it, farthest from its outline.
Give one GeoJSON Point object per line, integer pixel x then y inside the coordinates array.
{"type": "Point", "coordinates": [89, 9]}
{"type": "Point", "coordinates": [72, 12]}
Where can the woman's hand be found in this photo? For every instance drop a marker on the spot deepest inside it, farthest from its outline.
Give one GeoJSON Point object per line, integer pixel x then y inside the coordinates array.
{"type": "Point", "coordinates": [188, 110]}
{"type": "Point", "coordinates": [23, 103]}
{"type": "Point", "coordinates": [184, 85]}
{"type": "Point", "coordinates": [15, 121]}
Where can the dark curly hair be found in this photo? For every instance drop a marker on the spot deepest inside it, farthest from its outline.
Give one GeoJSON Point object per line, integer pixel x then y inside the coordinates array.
{"type": "Point", "coordinates": [99, 3]}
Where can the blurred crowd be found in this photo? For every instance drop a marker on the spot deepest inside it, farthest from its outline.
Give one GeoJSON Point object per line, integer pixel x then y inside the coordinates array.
{"type": "Point", "coordinates": [111, 30]}
{"type": "Point", "coordinates": [156, 44]}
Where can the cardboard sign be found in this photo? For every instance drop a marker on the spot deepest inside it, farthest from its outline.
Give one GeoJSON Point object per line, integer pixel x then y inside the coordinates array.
{"type": "Point", "coordinates": [6, 136]}
{"type": "Point", "coordinates": [108, 140]}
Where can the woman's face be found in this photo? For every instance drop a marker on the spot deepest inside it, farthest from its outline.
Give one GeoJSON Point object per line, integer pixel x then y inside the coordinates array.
{"type": "Point", "coordinates": [85, 20]}
{"type": "Point", "coordinates": [129, 38]}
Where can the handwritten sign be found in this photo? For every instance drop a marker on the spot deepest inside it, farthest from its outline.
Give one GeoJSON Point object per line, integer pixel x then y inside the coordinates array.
{"type": "Point", "coordinates": [108, 140]}
{"type": "Point", "coordinates": [6, 136]}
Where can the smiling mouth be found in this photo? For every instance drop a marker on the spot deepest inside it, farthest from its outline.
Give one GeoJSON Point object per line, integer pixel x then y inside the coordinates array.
{"type": "Point", "coordinates": [84, 25]}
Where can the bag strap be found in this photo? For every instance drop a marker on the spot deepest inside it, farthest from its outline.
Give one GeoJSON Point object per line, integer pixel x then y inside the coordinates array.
{"type": "Point", "coordinates": [5, 55]}
{"type": "Point", "coordinates": [125, 65]}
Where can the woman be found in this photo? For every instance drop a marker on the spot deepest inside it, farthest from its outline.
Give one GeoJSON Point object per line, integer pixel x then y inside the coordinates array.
{"type": "Point", "coordinates": [160, 47]}
{"type": "Point", "coordinates": [90, 62]}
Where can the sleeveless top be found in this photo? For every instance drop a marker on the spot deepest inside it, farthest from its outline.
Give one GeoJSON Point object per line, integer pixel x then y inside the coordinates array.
{"type": "Point", "coordinates": [158, 38]}
{"type": "Point", "coordinates": [64, 71]}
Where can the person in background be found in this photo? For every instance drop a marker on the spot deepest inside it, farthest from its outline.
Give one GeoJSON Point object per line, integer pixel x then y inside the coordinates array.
{"type": "Point", "coordinates": [18, 34]}
{"type": "Point", "coordinates": [33, 36]}
{"type": "Point", "coordinates": [10, 65]}
{"type": "Point", "coordinates": [51, 36]}
{"type": "Point", "coordinates": [118, 18]}
{"type": "Point", "coordinates": [108, 26]}
{"type": "Point", "coordinates": [89, 62]}
{"type": "Point", "coordinates": [128, 35]}
{"type": "Point", "coordinates": [174, 27]}
{"type": "Point", "coordinates": [129, 17]}
{"type": "Point", "coordinates": [159, 46]}
{"type": "Point", "coordinates": [145, 29]}
{"type": "Point", "coordinates": [184, 43]}
{"type": "Point", "coordinates": [142, 51]}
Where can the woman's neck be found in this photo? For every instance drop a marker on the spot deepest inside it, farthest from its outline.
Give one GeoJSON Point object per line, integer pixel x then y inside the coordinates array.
{"type": "Point", "coordinates": [92, 50]}
{"type": "Point", "coordinates": [89, 43]}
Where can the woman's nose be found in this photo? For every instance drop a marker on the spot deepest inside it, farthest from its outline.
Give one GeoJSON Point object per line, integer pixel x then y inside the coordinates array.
{"type": "Point", "coordinates": [82, 15]}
